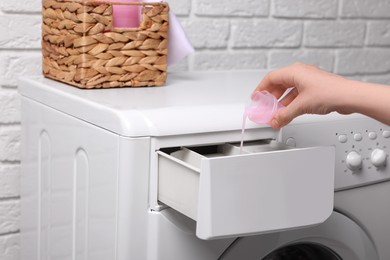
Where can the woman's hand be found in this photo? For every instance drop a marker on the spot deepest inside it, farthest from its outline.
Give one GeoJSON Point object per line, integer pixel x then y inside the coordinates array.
{"type": "Point", "coordinates": [311, 91]}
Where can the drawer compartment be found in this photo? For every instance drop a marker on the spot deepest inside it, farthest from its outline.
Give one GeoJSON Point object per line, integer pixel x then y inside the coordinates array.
{"type": "Point", "coordinates": [264, 188]}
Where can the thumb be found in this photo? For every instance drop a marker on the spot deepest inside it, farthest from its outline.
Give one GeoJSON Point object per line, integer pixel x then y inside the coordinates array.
{"type": "Point", "coordinates": [287, 114]}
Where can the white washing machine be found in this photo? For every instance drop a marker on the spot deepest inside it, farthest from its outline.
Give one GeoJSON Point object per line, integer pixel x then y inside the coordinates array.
{"type": "Point", "coordinates": [157, 173]}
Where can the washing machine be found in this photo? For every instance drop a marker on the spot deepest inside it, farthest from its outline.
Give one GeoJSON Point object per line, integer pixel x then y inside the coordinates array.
{"type": "Point", "coordinates": [159, 173]}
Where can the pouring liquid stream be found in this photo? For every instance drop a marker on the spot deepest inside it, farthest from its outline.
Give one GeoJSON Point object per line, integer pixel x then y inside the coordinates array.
{"type": "Point", "coordinates": [262, 108]}
{"type": "Point", "coordinates": [244, 117]}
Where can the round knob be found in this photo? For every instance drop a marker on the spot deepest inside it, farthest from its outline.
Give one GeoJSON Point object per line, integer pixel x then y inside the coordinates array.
{"type": "Point", "coordinates": [354, 161]}
{"type": "Point", "coordinates": [378, 158]}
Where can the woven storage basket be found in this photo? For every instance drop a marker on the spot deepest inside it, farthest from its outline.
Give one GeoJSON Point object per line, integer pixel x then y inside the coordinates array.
{"type": "Point", "coordinates": [81, 47]}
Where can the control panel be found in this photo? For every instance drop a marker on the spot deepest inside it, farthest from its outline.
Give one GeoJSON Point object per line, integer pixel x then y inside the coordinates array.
{"type": "Point", "coordinates": [362, 147]}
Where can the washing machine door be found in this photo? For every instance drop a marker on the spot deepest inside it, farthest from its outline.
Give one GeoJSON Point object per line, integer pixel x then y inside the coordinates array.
{"type": "Point", "coordinates": [338, 238]}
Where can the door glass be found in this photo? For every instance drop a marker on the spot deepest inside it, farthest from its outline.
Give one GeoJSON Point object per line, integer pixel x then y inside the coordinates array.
{"type": "Point", "coordinates": [303, 251]}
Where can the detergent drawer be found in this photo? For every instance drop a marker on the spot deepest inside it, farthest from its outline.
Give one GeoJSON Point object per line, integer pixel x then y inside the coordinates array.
{"type": "Point", "coordinates": [263, 188]}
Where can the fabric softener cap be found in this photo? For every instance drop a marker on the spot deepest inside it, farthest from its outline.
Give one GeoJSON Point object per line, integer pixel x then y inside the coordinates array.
{"type": "Point", "coordinates": [263, 107]}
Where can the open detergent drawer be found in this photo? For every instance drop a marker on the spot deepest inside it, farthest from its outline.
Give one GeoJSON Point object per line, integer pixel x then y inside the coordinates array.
{"type": "Point", "coordinates": [267, 187]}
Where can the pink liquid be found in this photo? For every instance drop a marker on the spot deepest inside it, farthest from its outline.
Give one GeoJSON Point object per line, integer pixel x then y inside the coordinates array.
{"type": "Point", "coordinates": [261, 110]}
{"type": "Point", "coordinates": [244, 117]}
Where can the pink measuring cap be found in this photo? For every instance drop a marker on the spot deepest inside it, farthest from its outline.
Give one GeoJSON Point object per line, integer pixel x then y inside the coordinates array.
{"type": "Point", "coordinates": [263, 107]}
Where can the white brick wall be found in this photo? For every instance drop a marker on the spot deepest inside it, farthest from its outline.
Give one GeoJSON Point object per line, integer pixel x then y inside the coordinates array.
{"type": "Point", "coordinates": [350, 37]}
{"type": "Point", "coordinates": [266, 33]}
{"type": "Point", "coordinates": [334, 34]}
{"type": "Point", "coordinates": [365, 9]}
{"type": "Point", "coordinates": [231, 8]}
{"type": "Point", "coordinates": [317, 9]}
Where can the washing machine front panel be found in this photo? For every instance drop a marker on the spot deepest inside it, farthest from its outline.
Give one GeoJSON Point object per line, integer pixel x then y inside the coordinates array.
{"type": "Point", "coordinates": [69, 187]}
{"type": "Point", "coordinates": [361, 146]}
{"type": "Point", "coordinates": [370, 206]}
{"type": "Point", "coordinates": [339, 238]}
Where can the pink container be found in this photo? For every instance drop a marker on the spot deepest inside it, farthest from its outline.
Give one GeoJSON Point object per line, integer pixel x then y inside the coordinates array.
{"type": "Point", "coordinates": [126, 16]}
{"type": "Point", "coordinates": [262, 108]}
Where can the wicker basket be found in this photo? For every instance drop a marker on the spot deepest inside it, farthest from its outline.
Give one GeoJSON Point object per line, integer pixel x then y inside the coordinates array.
{"type": "Point", "coordinates": [81, 47]}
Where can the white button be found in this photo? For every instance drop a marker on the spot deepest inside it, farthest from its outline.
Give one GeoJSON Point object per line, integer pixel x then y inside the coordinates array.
{"type": "Point", "coordinates": [354, 161]}
{"type": "Point", "coordinates": [291, 142]}
{"type": "Point", "coordinates": [372, 135]}
{"type": "Point", "coordinates": [386, 134]}
{"type": "Point", "coordinates": [358, 137]}
{"type": "Point", "coordinates": [343, 138]}
{"type": "Point", "coordinates": [378, 158]}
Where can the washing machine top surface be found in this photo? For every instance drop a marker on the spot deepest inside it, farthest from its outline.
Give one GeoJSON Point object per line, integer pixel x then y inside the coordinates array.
{"type": "Point", "coordinates": [190, 102]}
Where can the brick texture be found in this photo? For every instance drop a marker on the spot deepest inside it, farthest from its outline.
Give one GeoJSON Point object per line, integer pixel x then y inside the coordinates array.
{"type": "Point", "coordinates": [9, 181]}
{"type": "Point", "coordinates": [9, 247]}
{"type": "Point", "coordinates": [207, 33]}
{"type": "Point", "coordinates": [180, 7]}
{"type": "Point", "coordinates": [373, 61]}
{"type": "Point", "coordinates": [232, 8]}
{"type": "Point", "coordinates": [365, 9]}
{"type": "Point", "coordinates": [334, 34]}
{"type": "Point", "coordinates": [317, 9]}
{"type": "Point", "coordinates": [266, 33]}
{"type": "Point", "coordinates": [229, 60]}
{"type": "Point", "coordinates": [14, 64]}
{"type": "Point", "coordinates": [20, 31]}
{"type": "Point", "coordinates": [9, 107]}
{"type": "Point", "coordinates": [350, 37]}
{"type": "Point", "coordinates": [9, 216]}
{"type": "Point", "coordinates": [378, 33]}
{"type": "Point", "coordinates": [10, 143]}
{"type": "Point", "coordinates": [33, 6]}
{"type": "Point", "coordinates": [322, 58]}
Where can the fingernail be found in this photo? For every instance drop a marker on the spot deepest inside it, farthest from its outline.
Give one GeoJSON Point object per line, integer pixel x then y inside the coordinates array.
{"type": "Point", "coordinates": [274, 123]}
